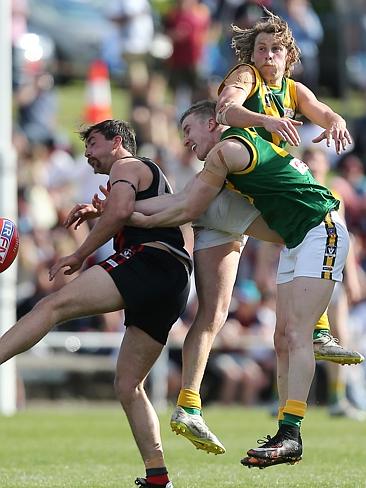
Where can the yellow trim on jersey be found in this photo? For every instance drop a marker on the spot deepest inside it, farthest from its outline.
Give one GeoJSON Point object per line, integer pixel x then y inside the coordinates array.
{"type": "Point", "coordinates": [257, 77]}
{"type": "Point", "coordinates": [279, 150]}
{"type": "Point", "coordinates": [269, 107]}
{"type": "Point", "coordinates": [290, 99]}
{"type": "Point", "coordinates": [231, 187]}
{"type": "Point", "coordinates": [253, 151]}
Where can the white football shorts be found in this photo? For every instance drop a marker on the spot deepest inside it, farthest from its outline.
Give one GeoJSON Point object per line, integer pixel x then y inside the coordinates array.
{"type": "Point", "coordinates": [322, 254]}
{"type": "Point", "coordinates": [226, 220]}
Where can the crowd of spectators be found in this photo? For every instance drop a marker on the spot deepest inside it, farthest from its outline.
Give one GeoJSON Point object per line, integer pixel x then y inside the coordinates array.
{"type": "Point", "coordinates": [52, 177]}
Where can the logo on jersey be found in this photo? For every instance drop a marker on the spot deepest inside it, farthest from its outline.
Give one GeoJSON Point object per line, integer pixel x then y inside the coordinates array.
{"type": "Point", "coordinates": [328, 268]}
{"type": "Point", "coordinates": [330, 251]}
{"type": "Point", "coordinates": [267, 99]}
{"type": "Point", "coordinates": [5, 239]}
{"type": "Point", "coordinates": [127, 253]}
{"type": "Point", "coordinates": [112, 263]}
{"type": "Point", "coordinates": [299, 165]}
{"type": "Point", "coordinates": [289, 112]}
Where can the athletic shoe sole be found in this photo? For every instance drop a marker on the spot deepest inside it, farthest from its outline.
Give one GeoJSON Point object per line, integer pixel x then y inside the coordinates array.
{"type": "Point", "coordinates": [343, 360]}
{"type": "Point", "coordinates": [253, 462]}
{"type": "Point", "coordinates": [204, 444]}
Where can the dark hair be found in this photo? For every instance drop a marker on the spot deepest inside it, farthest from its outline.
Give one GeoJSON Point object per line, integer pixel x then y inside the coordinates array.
{"type": "Point", "coordinates": [204, 108]}
{"type": "Point", "coordinates": [244, 39]}
{"type": "Point", "coordinates": [113, 128]}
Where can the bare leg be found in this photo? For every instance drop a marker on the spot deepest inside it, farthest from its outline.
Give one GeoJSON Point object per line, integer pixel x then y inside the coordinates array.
{"type": "Point", "coordinates": [300, 304]}
{"type": "Point", "coordinates": [137, 355]}
{"type": "Point", "coordinates": [309, 297]}
{"type": "Point", "coordinates": [215, 273]}
{"type": "Point", "coordinates": [91, 293]}
{"type": "Point", "coordinates": [281, 344]}
{"type": "Point", "coordinates": [260, 230]}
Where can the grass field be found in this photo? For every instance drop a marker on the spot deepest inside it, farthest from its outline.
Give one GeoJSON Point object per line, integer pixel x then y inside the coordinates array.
{"type": "Point", "coordinates": [83, 445]}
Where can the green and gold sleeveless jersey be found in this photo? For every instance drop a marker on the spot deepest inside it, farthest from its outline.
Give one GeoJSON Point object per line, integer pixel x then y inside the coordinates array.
{"type": "Point", "coordinates": [291, 201]}
{"type": "Point", "coordinates": [277, 101]}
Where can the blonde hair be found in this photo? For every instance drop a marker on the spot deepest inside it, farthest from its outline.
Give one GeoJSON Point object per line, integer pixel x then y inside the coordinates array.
{"type": "Point", "coordinates": [243, 40]}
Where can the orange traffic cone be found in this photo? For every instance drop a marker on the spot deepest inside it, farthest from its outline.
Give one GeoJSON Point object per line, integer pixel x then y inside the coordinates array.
{"type": "Point", "coordinates": [98, 94]}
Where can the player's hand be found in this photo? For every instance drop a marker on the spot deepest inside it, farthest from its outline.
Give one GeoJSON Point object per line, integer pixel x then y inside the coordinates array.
{"type": "Point", "coordinates": [72, 262]}
{"type": "Point", "coordinates": [97, 202]}
{"type": "Point", "coordinates": [80, 213]}
{"type": "Point", "coordinates": [284, 128]}
{"type": "Point", "coordinates": [339, 134]}
{"type": "Point", "coordinates": [138, 219]}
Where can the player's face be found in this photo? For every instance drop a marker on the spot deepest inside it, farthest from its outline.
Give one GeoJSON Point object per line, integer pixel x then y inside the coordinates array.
{"type": "Point", "coordinates": [99, 151]}
{"type": "Point", "coordinates": [197, 135]}
{"type": "Point", "coordinates": [269, 57]}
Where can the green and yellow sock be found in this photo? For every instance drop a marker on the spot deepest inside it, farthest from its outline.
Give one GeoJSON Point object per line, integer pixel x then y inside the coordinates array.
{"type": "Point", "coordinates": [322, 325]}
{"type": "Point", "coordinates": [190, 401]}
{"type": "Point", "coordinates": [294, 412]}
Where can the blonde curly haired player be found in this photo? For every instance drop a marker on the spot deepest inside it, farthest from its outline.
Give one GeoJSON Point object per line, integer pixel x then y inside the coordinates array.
{"type": "Point", "coordinates": [257, 93]}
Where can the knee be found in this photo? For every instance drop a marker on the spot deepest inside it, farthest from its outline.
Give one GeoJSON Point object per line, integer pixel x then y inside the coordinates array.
{"type": "Point", "coordinates": [295, 338]}
{"type": "Point", "coordinates": [125, 389]}
{"type": "Point", "coordinates": [212, 316]}
{"type": "Point", "coordinates": [46, 305]}
{"type": "Point", "coordinates": [53, 306]}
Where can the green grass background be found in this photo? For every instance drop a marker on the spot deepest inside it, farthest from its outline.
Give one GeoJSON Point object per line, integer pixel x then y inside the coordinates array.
{"type": "Point", "coordinates": [91, 446]}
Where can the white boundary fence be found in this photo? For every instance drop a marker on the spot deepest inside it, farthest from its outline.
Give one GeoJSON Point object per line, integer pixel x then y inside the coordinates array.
{"type": "Point", "coordinates": [56, 352]}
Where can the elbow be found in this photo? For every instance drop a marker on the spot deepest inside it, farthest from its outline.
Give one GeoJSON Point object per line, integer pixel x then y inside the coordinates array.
{"type": "Point", "coordinates": [225, 103]}
{"type": "Point", "coordinates": [223, 110]}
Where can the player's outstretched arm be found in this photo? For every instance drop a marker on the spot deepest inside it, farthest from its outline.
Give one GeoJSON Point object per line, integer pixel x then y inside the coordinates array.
{"type": "Point", "coordinates": [117, 209]}
{"type": "Point", "coordinates": [321, 114]}
{"type": "Point", "coordinates": [154, 205]}
{"type": "Point", "coordinates": [190, 203]}
{"type": "Point", "coordinates": [180, 208]}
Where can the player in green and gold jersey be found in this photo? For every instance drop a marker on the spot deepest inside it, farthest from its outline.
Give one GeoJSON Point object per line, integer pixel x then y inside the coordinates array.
{"type": "Point", "coordinates": [258, 93]}
{"type": "Point", "coordinates": [304, 214]}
